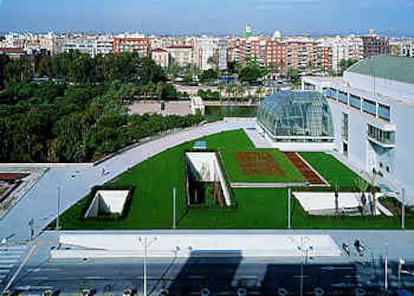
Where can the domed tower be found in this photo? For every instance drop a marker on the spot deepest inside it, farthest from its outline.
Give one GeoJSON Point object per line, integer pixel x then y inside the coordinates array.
{"type": "Point", "coordinates": [277, 35]}
{"type": "Point", "coordinates": [248, 32]}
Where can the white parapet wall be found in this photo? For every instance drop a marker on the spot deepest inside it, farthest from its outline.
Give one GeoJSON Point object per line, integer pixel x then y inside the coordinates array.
{"type": "Point", "coordinates": [164, 244]}
{"type": "Point", "coordinates": [208, 169]}
{"type": "Point", "coordinates": [107, 202]}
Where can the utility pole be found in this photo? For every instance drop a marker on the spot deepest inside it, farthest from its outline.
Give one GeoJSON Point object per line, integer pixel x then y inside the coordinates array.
{"type": "Point", "coordinates": [174, 209]}
{"type": "Point", "coordinates": [386, 268]}
{"type": "Point", "coordinates": [146, 244]}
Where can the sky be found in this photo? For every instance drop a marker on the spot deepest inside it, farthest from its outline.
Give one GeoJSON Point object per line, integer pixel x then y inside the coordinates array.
{"type": "Point", "coordinates": [219, 17]}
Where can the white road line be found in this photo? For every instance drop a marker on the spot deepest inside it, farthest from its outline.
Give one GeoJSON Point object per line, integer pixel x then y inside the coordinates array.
{"type": "Point", "coordinates": [9, 256]}
{"type": "Point", "coordinates": [7, 261]}
{"type": "Point", "coordinates": [4, 266]}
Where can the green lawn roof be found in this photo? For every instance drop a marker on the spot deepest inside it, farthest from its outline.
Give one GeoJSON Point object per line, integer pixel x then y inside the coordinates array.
{"type": "Point", "coordinates": [387, 67]}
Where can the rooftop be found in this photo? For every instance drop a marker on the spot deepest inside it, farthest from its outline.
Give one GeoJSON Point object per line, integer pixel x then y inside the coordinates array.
{"type": "Point", "coordinates": [386, 67]}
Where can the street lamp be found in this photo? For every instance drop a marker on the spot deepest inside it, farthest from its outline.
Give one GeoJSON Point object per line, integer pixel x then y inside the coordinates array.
{"type": "Point", "coordinates": [304, 248]}
{"type": "Point", "coordinates": [400, 263]}
{"type": "Point", "coordinates": [146, 243]}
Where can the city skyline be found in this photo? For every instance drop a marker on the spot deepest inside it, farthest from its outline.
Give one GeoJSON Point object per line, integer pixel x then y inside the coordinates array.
{"type": "Point", "coordinates": [226, 17]}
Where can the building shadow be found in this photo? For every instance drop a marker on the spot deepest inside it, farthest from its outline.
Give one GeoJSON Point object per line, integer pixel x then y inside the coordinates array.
{"type": "Point", "coordinates": [333, 279]}
{"type": "Point", "coordinates": [211, 270]}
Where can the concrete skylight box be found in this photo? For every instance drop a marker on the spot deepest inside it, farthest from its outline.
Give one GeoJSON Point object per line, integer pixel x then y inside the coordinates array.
{"type": "Point", "coordinates": [107, 203]}
{"type": "Point", "coordinates": [205, 180]}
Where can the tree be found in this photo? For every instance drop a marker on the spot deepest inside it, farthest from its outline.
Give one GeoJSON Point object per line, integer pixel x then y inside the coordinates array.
{"type": "Point", "coordinates": [250, 74]}
{"type": "Point", "coordinates": [362, 187]}
{"type": "Point", "coordinates": [259, 91]}
{"type": "Point", "coordinates": [345, 64]}
{"type": "Point", "coordinates": [173, 70]}
{"type": "Point", "coordinates": [209, 75]}
{"type": "Point", "coordinates": [211, 62]}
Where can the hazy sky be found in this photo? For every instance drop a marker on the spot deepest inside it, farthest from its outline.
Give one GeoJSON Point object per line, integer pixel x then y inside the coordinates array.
{"type": "Point", "coordinates": [208, 16]}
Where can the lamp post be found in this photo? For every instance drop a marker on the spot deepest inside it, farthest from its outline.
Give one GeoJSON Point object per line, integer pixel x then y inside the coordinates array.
{"type": "Point", "coordinates": [146, 243]}
{"type": "Point", "coordinates": [386, 268]}
{"type": "Point", "coordinates": [304, 248]}
{"type": "Point", "coordinates": [400, 263]}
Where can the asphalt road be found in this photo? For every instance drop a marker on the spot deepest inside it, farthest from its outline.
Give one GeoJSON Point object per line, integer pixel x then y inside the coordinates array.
{"type": "Point", "coordinates": [221, 275]}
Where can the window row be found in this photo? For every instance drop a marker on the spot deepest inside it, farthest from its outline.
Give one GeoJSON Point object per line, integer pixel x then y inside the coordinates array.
{"type": "Point", "coordinates": [366, 105]}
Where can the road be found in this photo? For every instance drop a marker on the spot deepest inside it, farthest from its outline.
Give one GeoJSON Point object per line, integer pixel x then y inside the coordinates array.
{"type": "Point", "coordinates": [40, 203]}
{"type": "Point", "coordinates": [221, 275]}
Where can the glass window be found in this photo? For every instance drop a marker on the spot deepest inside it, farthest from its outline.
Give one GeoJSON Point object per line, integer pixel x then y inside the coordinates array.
{"type": "Point", "coordinates": [369, 107]}
{"type": "Point", "coordinates": [379, 135]}
{"type": "Point", "coordinates": [384, 112]}
{"type": "Point", "coordinates": [343, 97]}
{"type": "Point", "coordinates": [345, 126]}
{"type": "Point", "coordinates": [355, 101]}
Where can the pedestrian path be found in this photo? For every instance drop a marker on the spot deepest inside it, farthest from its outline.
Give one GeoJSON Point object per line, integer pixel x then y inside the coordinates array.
{"type": "Point", "coordinates": [10, 258]}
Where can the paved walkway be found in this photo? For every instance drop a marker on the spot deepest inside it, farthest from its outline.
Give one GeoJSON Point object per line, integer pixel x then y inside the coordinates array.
{"type": "Point", "coordinates": [40, 203]}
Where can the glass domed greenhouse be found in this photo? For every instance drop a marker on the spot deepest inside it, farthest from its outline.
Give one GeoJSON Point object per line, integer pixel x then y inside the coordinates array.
{"type": "Point", "coordinates": [296, 116]}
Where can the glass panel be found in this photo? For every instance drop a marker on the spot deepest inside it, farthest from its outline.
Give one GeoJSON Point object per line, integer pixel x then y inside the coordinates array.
{"type": "Point", "coordinates": [384, 112]}
{"type": "Point", "coordinates": [355, 101]}
{"type": "Point", "coordinates": [343, 97]}
{"type": "Point", "coordinates": [297, 116]}
{"type": "Point", "coordinates": [385, 137]}
{"type": "Point", "coordinates": [369, 107]}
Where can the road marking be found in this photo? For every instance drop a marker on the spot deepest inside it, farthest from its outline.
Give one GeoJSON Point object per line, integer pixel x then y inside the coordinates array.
{"type": "Point", "coordinates": [6, 266]}
{"type": "Point", "coordinates": [7, 261]}
{"type": "Point", "coordinates": [4, 270]}
{"type": "Point", "coordinates": [40, 278]}
{"type": "Point", "coordinates": [9, 256]}
{"type": "Point", "coordinates": [94, 278]}
{"type": "Point", "coordinates": [248, 277]}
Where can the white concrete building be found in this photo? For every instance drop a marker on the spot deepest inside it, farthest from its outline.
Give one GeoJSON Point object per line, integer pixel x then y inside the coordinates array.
{"type": "Point", "coordinates": [104, 44]}
{"type": "Point", "coordinates": [373, 109]}
{"type": "Point", "coordinates": [343, 48]}
{"type": "Point", "coordinates": [161, 57]}
{"type": "Point", "coordinates": [205, 48]}
{"type": "Point", "coordinates": [403, 47]}
{"type": "Point", "coordinates": [182, 54]}
{"type": "Point", "coordinates": [83, 43]}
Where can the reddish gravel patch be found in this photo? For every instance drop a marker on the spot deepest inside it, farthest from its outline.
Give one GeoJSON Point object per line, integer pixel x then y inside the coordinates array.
{"type": "Point", "coordinates": [9, 176]}
{"type": "Point", "coordinates": [258, 163]}
{"type": "Point", "coordinates": [304, 169]}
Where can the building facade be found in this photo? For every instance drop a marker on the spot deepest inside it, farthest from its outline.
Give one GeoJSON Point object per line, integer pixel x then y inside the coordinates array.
{"type": "Point", "coordinates": [372, 107]}
{"type": "Point", "coordinates": [139, 45]}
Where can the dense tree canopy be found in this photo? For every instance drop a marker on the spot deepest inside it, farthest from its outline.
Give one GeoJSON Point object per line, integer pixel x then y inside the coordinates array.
{"type": "Point", "coordinates": [78, 115]}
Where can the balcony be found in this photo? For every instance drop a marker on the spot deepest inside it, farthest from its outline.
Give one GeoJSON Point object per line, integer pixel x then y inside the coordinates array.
{"type": "Point", "coordinates": [384, 137]}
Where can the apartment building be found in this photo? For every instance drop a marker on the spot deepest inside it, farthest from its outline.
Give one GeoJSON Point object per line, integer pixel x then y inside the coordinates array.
{"type": "Point", "coordinates": [181, 54]}
{"type": "Point", "coordinates": [139, 45]}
